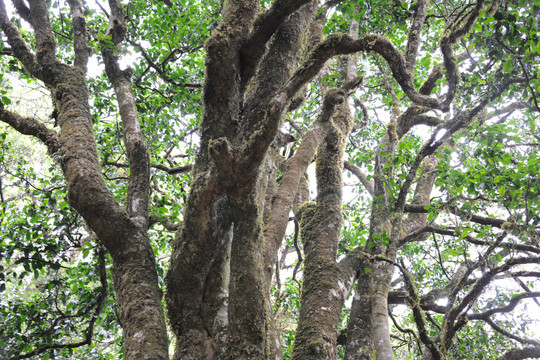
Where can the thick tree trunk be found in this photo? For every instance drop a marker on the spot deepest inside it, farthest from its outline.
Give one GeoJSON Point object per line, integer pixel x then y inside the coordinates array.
{"type": "Point", "coordinates": [359, 344]}
{"type": "Point", "coordinates": [139, 301]}
{"type": "Point", "coordinates": [248, 317]}
{"type": "Point", "coordinates": [197, 280]}
{"type": "Point", "coordinates": [325, 286]}
{"type": "Point", "coordinates": [382, 276]}
{"type": "Point", "coordinates": [197, 289]}
{"type": "Point", "coordinates": [141, 313]}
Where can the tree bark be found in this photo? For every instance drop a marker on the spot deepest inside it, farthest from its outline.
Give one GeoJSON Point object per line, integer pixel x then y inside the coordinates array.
{"type": "Point", "coordinates": [325, 285]}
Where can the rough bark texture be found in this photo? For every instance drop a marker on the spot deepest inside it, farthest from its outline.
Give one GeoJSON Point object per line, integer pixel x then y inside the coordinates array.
{"type": "Point", "coordinates": [325, 287]}
{"type": "Point", "coordinates": [140, 308]}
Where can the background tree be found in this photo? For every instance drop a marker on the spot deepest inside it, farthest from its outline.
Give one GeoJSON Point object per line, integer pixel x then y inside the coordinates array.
{"type": "Point", "coordinates": [203, 120]}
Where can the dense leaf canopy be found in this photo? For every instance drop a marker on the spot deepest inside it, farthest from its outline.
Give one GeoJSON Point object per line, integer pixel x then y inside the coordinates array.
{"type": "Point", "coordinates": [238, 122]}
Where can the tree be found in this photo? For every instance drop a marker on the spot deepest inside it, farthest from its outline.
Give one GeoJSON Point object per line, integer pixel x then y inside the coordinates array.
{"type": "Point", "coordinates": [205, 124]}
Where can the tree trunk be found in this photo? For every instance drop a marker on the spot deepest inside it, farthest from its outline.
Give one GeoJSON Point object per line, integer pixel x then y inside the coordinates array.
{"type": "Point", "coordinates": [140, 309]}
{"type": "Point", "coordinates": [325, 285]}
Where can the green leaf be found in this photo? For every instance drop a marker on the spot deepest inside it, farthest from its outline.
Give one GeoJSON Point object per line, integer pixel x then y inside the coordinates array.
{"type": "Point", "coordinates": [508, 66]}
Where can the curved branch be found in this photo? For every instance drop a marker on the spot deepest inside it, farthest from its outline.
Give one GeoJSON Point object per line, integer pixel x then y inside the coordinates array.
{"type": "Point", "coordinates": [341, 44]}
{"type": "Point", "coordinates": [452, 126]}
{"type": "Point", "coordinates": [511, 306]}
{"type": "Point", "coordinates": [415, 115]}
{"type": "Point", "coordinates": [450, 61]}
{"type": "Point", "coordinates": [356, 171]}
{"type": "Point", "coordinates": [484, 281]}
{"type": "Point", "coordinates": [31, 126]}
{"type": "Point", "coordinates": [508, 334]}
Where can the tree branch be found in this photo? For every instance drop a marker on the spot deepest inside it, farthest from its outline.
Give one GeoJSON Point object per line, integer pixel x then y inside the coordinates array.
{"type": "Point", "coordinates": [136, 150]}
{"type": "Point", "coordinates": [221, 89]}
{"type": "Point", "coordinates": [80, 34]}
{"type": "Point", "coordinates": [453, 313]}
{"type": "Point", "coordinates": [418, 314]}
{"type": "Point", "coordinates": [356, 171]}
{"type": "Point", "coordinates": [458, 280]}
{"type": "Point", "coordinates": [281, 206]}
{"type": "Point", "coordinates": [45, 40]}
{"type": "Point", "coordinates": [158, 68]}
{"type": "Point", "coordinates": [460, 121]}
{"type": "Point", "coordinates": [22, 10]}
{"type": "Point", "coordinates": [519, 354]}
{"type": "Point", "coordinates": [509, 307]}
{"type": "Point", "coordinates": [18, 45]}
{"type": "Point", "coordinates": [341, 44]}
{"type": "Point", "coordinates": [31, 126]}
{"type": "Point", "coordinates": [168, 170]}
{"type": "Point", "coordinates": [482, 220]}
{"type": "Point", "coordinates": [266, 95]}
{"type": "Point", "coordinates": [450, 62]}
{"type": "Point", "coordinates": [415, 34]}
{"type": "Point", "coordinates": [166, 223]}
{"type": "Point", "coordinates": [518, 105]}
{"type": "Point", "coordinates": [508, 334]}
{"type": "Point", "coordinates": [264, 27]}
